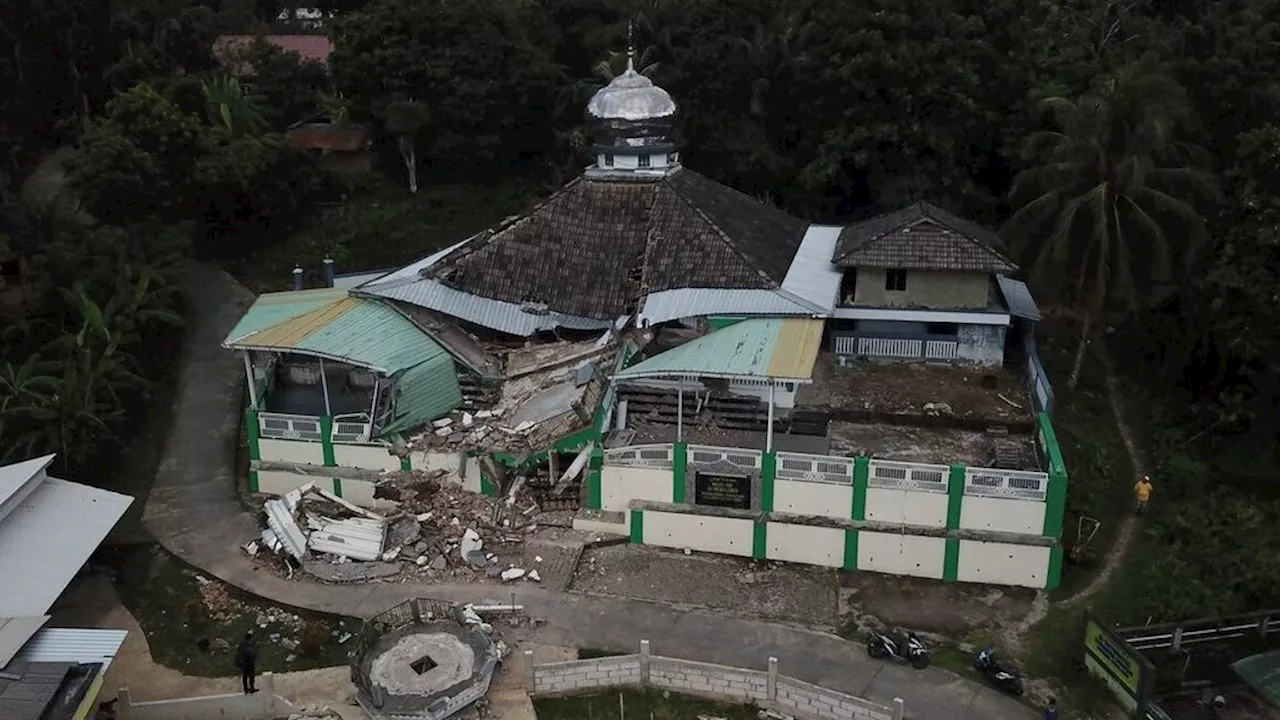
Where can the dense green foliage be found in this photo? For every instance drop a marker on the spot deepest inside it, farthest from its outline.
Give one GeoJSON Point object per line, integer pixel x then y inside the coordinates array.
{"type": "Point", "coordinates": [1127, 148]}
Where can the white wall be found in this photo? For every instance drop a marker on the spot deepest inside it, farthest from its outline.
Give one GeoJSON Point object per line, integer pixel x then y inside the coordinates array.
{"type": "Point", "coordinates": [291, 451]}
{"type": "Point", "coordinates": [279, 482]}
{"type": "Point", "coordinates": [365, 457]}
{"type": "Point", "coordinates": [898, 554]}
{"type": "Point", "coordinates": [1002, 515]}
{"type": "Point", "coordinates": [804, 544]}
{"type": "Point", "coordinates": [620, 485]}
{"type": "Point", "coordinates": [359, 492]}
{"type": "Point", "coordinates": [1003, 564]}
{"type": "Point", "coordinates": [906, 507]}
{"type": "Point", "coordinates": [708, 533]}
{"type": "Point", "coordinates": [449, 462]}
{"type": "Point", "coordinates": [813, 498]}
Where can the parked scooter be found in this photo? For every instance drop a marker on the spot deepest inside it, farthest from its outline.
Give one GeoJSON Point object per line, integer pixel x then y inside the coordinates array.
{"type": "Point", "coordinates": [1003, 677]}
{"type": "Point", "coordinates": [908, 649]}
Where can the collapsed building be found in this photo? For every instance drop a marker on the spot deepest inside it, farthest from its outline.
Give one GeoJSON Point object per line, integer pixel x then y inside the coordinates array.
{"type": "Point", "coordinates": [687, 366]}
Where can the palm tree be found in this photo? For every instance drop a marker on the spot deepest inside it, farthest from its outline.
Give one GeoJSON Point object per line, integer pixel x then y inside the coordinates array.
{"type": "Point", "coordinates": [1106, 206]}
{"type": "Point", "coordinates": [776, 46]}
{"type": "Point", "coordinates": [230, 106]}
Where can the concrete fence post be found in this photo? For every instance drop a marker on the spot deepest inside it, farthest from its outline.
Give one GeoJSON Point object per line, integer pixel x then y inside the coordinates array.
{"type": "Point", "coordinates": [267, 695]}
{"type": "Point", "coordinates": [123, 703]}
{"type": "Point", "coordinates": [898, 708]}
{"type": "Point", "coordinates": [772, 686]}
{"type": "Point", "coordinates": [644, 663]}
{"type": "Point", "coordinates": [528, 671]}
{"type": "Point", "coordinates": [1177, 639]}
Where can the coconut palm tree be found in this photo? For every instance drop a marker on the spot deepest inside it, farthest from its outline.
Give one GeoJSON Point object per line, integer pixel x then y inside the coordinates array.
{"type": "Point", "coordinates": [1107, 206]}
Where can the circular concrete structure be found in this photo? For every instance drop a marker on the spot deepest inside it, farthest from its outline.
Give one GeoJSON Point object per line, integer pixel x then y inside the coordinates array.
{"type": "Point", "coordinates": [422, 659]}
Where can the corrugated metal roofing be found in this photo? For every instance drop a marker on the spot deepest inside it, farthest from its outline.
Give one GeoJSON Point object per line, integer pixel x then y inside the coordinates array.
{"type": "Point", "coordinates": [425, 393]}
{"type": "Point", "coordinates": [413, 271]}
{"type": "Point", "coordinates": [670, 305]}
{"type": "Point", "coordinates": [18, 480]}
{"type": "Point", "coordinates": [356, 330]}
{"type": "Point", "coordinates": [356, 538]}
{"type": "Point", "coordinates": [74, 645]}
{"type": "Point", "coordinates": [1017, 296]}
{"type": "Point", "coordinates": [15, 632]}
{"type": "Point", "coordinates": [273, 308]}
{"type": "Point", "coordinates": [48, 538]}
{"type": "Point", "coordinates": [777, 348]}
{"type": "Point", "coordinates": [812, 276]}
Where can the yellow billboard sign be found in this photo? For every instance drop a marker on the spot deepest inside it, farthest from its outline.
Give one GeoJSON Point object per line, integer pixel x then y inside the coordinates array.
{"type": "Point", "coordinates": [1112, 658]}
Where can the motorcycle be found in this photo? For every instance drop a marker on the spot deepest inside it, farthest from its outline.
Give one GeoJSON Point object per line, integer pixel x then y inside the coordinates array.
{"type": "Point", "coordinates": [909, 649]}
{"type": "Point", "coordinates": [1003, 677]}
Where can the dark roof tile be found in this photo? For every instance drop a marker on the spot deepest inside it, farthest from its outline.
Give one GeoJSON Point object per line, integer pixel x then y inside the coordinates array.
{"type": "Point", "coordinates": [921, 237]}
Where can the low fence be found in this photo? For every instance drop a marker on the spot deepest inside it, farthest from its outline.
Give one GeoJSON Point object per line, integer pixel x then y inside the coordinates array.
{"type": "Point", "coordinates": [1041, 390]}
{"type": "Point", "coordinates": [1017, 484]}
{"type": "Point", "coordinates": [654, 456]}
{"type": "Point", "coordinates": [284, 426]}
{"type": "Point", "coordinates": [907, 348]}
{"type": "Point", "coordinates": [263, 705]}
{"type": "Point", "coordinates": [799, 467]}
{"type": "Point", "coordinates": [355, 428]}
{"type": "Point", "coordinates": [407, 613]}
{"type": "Point", "coordinates": [768, 690]}
{"type": "Point", "coordinates": [737, 457]}
{"type": "Point", "coordinates": [908, 476]}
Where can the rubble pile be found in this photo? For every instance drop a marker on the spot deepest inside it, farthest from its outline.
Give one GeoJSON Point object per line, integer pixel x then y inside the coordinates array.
{"type": "Point", "coordinates": [217, 600]}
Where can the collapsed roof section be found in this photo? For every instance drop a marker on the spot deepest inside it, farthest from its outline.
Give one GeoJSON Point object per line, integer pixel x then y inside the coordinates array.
{"type": "Point", "coordinates": [593, 251]}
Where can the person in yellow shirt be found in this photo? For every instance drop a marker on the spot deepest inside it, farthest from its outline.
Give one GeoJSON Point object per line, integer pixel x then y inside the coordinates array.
{"type": "Point", "coordinates": [1142, 494]}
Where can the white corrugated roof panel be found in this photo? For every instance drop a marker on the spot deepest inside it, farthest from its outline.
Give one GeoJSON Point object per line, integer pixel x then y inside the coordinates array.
{"type": "Point", "coordinates": [357, 538]}
{"type": "Point", "coordinates": [1017, 297]}
{"type": "Point", "coordinates": [670, 305]}
{"type": "Point", "coordinates": [812, 275]}
{"type": "Point", "coordinates": [15, 632]}
{"type": "Point", "coordinates": [412, 271]}
{"type": "Point", "coordinates": [47, 538]}
{"type": "Point", "coordinates": [73, 645]}
{"type": "Point", "coordinates": [19, 479]}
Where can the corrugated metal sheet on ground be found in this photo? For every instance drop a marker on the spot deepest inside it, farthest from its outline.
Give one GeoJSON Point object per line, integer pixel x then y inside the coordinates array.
{"type": "Point", "coordinates": [813, 276]}
{"type": "Point", "coordinates": [1017, 296]}
{"type": "Point", "coordinates": [425, 393]}
{"type": "Point", "coordinates": [74, 645]}
{"type": "Point", "coordinates": [356, 538]}
{"type": "Point", "coordinates": [47, 538]}
{"type": "Point", "coordinates": [779, 348]}
{"type": "Point", "coordinates": [670, 305]}
{"type": "Point", "coordinates": [18, 480]}
{"type": "Point", "coordinates": [273, 308]}
{"type": "Point", "coordinates": [357, 330]}
{"type": "Point", "coordinates": [15, 632]}
{"type": "Point", "coordinates": [494, 314]}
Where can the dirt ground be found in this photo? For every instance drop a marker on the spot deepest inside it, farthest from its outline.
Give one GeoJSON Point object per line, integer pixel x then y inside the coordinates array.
{"type": "Point", "coordinates": [905, 388]}
{"type": "Point", "coordinates": [927, 445]}
{"type": "Point", "coordinates": [800, 593]}
{"type": "Point", "coordinates": [960, 611]}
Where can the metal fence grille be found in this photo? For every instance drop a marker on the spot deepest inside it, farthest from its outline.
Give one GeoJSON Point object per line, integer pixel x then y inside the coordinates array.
{"type": "Point", "coordinates": [654, 456]}
{"type": "Point", "coordinates": [352, 429]}
{"type": "Point", "coordinates": [1018, 484]}
{"type": "Point", "coordinates": [709, 455]}
{"type": "Point", "coordinates": [289, 427]}
{"type": "Point", "coordinates": [815, 468]}
{"type": "Point", "coordinates": [908, 476]}
{"type": "Point", "coordinates": [889, 347]}
{"type": "Point", "coordinates": [941, 349]}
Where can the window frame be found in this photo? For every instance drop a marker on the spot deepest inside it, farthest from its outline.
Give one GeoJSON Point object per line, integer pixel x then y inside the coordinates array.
{"type": "Point", "coordinates": [895, 274]}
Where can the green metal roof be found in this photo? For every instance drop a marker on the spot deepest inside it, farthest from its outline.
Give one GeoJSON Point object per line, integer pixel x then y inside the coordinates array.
{"type": "Point", "coordinates": [273, 308]}
{"type": "Point", "coordinates": [424, 393]}
{"type": "Point", "coordinates": [1262, 673]}
{"type": "Point", "coordinates": [759, 348]}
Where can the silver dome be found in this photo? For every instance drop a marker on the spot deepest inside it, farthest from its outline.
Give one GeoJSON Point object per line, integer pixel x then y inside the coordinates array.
{"type": "Point", "coordinates": [632, 97]}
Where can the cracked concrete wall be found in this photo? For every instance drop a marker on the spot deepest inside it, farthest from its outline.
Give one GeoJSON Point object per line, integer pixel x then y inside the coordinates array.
{"type": "Point", "coordinates": [981, 344]}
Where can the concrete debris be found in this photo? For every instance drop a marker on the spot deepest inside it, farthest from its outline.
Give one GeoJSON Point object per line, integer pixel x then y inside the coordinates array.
{"type": "Point", "coordinates": [773, 715]}
{"type": "Point", "coordinates": [537, 558]}
{"type": "Point", "coordinates": [534, 576]}
{"type": "Point", "coordinates": [442, 423]}
{"type": "Point", "coordinates": [391, 554]}
{"type": "Point", "coordinates": [309, 520]}
{"type": "Point", "coordinates": [512, 574]}
{"type": "Point", "coordinates": [251, 547]}
{"type": "Point", "coordinates": [467, 420]}
{"type": "Point", "coordinates": [444, 432]}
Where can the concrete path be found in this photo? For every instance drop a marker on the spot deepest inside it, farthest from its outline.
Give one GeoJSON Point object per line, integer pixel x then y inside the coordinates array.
{"type": "Point", "coordinates": [194, 513]}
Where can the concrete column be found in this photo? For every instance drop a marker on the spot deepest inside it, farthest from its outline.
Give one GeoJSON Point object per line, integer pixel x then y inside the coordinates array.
{"type": "Point", "coordinates": [1177, 639]}
{"type": "Point", "coordinates": [324, 387]}
{"type": "Point", "coordinates": [644, 663]}
{"type": "Point", "coordinates": [680, 411]}
{"type": "Point", "coordinates": [898, 709]}
{"type": "Point", "coordinates": [123, 703]}
{"type": "Point", "coordinates": [768, 438]}
{"type": "Point", "coordinates": [267, 694]}
{"type": "Point", "coordinates": [772, 691]}
{"type": "Point", "coordinates": [528, 671]}
{"type": "Point", "coordinates": [253, 384]}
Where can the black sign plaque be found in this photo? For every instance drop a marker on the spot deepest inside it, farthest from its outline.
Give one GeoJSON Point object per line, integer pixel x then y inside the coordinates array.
{"type": "Point", "coordinates": [729, 491]}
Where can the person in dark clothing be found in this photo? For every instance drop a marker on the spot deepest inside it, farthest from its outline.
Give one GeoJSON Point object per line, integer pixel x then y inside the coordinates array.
{"type": "Point", "coordinates": [246, 660]}
{"type": "Point", "coordinates": [1051, 712]}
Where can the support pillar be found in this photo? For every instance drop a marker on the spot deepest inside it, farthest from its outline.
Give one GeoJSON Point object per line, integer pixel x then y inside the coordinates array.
{"type": "Point", "coordinates": [528, 672]}
{"type": "Point", "coordinates": [861, 478]}
{"type": "Point", "coordinates": [955, 495]}
{"type": "Point", "coordinates": [645, 659]}
{"type": "Point", "coordinates": [253, 383]}
{"type": "Point", "coordinates": [595, 473]}
{"type": "Point", "coordinates": [679, 469]}
{"type": "Point", "coordinates": [324, 387]}
{"type": "Point", "coordinates": [680, 411]}
{"type": "Point", "coordinates": [898, 709]}
{"type": "Point", "coordinates": [768, 443]}
{"type": "Point", "coordinates": [772, 687]}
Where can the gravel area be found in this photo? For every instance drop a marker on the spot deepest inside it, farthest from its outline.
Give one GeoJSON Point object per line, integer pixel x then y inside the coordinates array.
{"type": "Point", "coordinates": [778, 590]}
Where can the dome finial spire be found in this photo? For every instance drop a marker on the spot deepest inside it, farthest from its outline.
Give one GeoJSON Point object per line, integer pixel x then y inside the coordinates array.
{"type": "Point", "coordinates": [631, 46]}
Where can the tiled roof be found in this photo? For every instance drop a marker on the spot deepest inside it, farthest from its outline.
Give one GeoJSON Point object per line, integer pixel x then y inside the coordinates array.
{"type": "Point", "coordinates": [346, 137]}
{"type": "Point", "coordinates": [921, 237]}
{"type": "Point", "coordinates": [600, 243]}
{"type": "Point", "coordinates": [316, 48]}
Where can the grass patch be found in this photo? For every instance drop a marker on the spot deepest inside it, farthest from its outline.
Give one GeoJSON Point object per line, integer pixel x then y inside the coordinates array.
{"type": "Point", "coordinates": [1055, 650]}
{"type": "Point", "coordinates": [592, 653]}
{"type": "Point", "coordinates": [642, 704]}
{"type": "Point", "coordinates": [383, 226]}
{"type": "Point", "coordinates": [193, 624]}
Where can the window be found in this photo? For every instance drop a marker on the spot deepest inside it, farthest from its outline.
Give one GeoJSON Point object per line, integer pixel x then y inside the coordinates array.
{"type": "Point", "coordinates": [673, 158]}
{"type": "Point", "coordinates": [644, 161]}
{"type": "Point", "coordinates": [948, 329]}
{"type": "Point", "coordinates": [895, 280]}
{"type": "Point", "coordinates": [608, 160]}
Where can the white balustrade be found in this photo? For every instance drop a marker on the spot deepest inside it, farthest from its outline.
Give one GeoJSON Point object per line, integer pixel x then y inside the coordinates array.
{"type": "Point", "coordinates": [653, 456]}
{"type": "Point", "coordinates": [941, 349]}
{"type": "Point", "coordinates": [284, 426]}
{"type": "Point", "coordinates": [801, 467]}
{"type": "Point", "coordinates": [708, 454]}
{"type": "Point", "coordinates": [889, 347]}
{"type": "Point", "coordinates": [891, 474]}
{"type": "Point", "coordinates": [1017, 484]}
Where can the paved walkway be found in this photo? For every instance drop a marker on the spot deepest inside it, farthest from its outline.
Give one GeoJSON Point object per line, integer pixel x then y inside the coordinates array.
{"type": "Point", "coordinates": [193, 511]}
